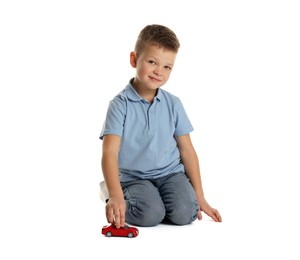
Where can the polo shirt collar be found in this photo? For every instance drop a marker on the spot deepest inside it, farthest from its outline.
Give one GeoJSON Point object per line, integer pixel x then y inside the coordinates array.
{"type": "Point", "coordinates": [159, 94]}
{"type": "Point", "coordinates": [134, 96]}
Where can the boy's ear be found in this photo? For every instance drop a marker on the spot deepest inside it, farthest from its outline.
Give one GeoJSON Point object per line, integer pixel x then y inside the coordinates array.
{"type": "Point", "coordinates": [133, 59]}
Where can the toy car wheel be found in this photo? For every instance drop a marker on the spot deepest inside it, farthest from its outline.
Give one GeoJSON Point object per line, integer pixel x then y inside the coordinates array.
{"type": "Point", "coordinates": [130, 234]}
{"type": "Point", "coordinates": [108, 234]}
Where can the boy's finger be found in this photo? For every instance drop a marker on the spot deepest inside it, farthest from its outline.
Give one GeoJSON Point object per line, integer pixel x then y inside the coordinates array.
{"type": "Point", "coordinates": [219, 217]}
{"type": "Point", "coordinates": [122, 219]}
{"type": "Point", "coordinates": [109, 215]}
{"type": "Point", "coordinates": [216, 216]}
{"type": "Point", "coordinates": [117, 218]}
{"type": "Point", "coordinates": [199, 215]}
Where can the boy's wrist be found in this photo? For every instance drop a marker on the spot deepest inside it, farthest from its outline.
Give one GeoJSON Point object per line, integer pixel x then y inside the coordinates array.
{"type": "Point", "coordinates": [200, 196]}
{"type": "Point", "coordinates": [116, 193]}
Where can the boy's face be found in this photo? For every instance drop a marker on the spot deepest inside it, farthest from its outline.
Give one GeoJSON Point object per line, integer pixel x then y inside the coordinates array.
{"type": "Point", "coordinates": [153, 67]}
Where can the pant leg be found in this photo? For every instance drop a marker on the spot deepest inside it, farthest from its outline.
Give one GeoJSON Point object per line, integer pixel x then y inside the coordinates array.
{"type": "Point", "coordinates": [144, 206]}
{"type": "Point", "coordinates": [179, 198]}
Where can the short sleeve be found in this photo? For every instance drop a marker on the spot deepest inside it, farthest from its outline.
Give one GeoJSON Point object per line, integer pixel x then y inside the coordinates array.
{"type": "Point", "coordinates": [183, 125]}
{"type": "Point", "coordinates": [115, 117]}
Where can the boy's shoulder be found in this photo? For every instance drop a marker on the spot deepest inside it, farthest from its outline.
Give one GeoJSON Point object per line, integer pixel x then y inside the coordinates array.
{"type": "Point", "coordinates": [127, 93]}
{"type": "Point", "coordinates": [169, 96]}
{"type": "Point", "coordinates": [121, 96]}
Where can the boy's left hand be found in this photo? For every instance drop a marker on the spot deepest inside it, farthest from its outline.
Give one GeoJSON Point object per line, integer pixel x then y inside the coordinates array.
{"type": "Point", "coordinates": [213, 213]}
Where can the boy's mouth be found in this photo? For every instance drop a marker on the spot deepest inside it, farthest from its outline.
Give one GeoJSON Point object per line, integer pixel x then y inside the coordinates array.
{"type": "Point", "coordinates": [154, 79]}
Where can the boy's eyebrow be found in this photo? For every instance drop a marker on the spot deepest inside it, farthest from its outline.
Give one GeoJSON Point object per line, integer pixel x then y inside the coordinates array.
{"type": "Point", "coordinates": [152, 57]}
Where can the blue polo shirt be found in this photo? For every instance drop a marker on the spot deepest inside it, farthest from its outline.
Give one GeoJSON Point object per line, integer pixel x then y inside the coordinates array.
{"type": "Point", "coordinates": [148, 146]}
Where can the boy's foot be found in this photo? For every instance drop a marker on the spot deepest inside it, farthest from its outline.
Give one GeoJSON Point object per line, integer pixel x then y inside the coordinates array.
{"type": "Point", "coordinates": [103, 192]}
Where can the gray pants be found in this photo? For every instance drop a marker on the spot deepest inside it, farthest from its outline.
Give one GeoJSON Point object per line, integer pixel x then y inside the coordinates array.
{"type": "Point", "coordinates": [169, 199]}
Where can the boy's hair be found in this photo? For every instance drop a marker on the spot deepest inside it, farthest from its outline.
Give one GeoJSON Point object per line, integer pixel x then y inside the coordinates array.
{"type": "Point", "coordinates": [157, 35]}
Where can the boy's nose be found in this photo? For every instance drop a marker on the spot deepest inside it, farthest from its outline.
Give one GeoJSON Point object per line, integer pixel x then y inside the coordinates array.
{"type": "Point", "coordinates": [158, 71]}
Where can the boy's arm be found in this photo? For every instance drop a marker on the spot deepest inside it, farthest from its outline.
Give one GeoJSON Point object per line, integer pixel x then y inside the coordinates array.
{"type": "Point", "coordinates": [190, 161]}
{"type": "Point", "coordinates": [115, 207]}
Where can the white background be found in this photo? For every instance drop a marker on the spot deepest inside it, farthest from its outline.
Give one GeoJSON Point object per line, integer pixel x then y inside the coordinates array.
{"type": "Point", "coordinates": [237, 74]}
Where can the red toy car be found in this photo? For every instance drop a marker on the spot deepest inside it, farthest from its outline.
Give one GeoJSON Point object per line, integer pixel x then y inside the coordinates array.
{"type": "Point", "coordinates": [126, 231]}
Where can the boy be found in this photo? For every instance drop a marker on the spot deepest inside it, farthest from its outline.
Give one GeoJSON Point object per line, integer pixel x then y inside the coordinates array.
{"type": "Point", "coordinates": [150, 167]}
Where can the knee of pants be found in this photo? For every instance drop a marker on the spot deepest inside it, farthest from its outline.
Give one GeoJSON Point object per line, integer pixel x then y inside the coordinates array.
{"type": "Point", "coordinates": [145, 213]}
{"type": "Point", "coordinates": [183, 214]}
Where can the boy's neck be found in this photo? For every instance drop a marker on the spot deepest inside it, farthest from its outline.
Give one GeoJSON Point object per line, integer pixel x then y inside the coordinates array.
{"type": "Point", "coordinates": [148, 95]}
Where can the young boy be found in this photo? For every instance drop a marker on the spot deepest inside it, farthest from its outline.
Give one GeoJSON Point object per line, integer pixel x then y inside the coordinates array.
{"type": "Point", "coordinates": [149, 164]}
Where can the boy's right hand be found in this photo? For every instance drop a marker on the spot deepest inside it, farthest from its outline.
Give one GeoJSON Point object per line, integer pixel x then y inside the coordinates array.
{"type": "Point", "coordinates": [115, 211]}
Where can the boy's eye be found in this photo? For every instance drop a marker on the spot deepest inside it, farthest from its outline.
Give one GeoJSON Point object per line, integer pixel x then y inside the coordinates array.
{"type": "Point", "coordinates": [152, 62]}
{"type": "Point", "coordinates": [168, 68]}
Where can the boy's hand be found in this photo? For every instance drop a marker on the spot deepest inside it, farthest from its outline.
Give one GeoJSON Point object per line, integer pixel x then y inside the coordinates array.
{"type": "Point", "coordinates": [213, 213]}
{"type": "Point", "coordinates": [115, 211]}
